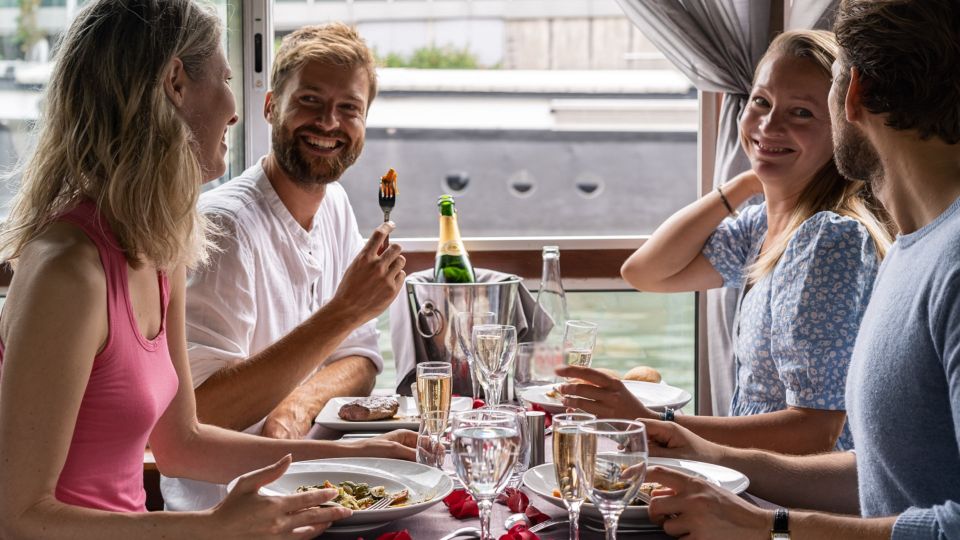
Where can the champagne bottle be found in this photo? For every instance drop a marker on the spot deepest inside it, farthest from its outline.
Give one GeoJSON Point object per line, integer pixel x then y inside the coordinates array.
{"type": "Point", "coordinates": [453, 263]}
{"type": "Point", "coordinates": [551, 314]}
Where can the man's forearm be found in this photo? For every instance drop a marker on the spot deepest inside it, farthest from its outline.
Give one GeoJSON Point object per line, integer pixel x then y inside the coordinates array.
{"type": "Point", "coordinates": [350, 376]}
{"type": "Point", "coordinates": [238, 397]}
{"type": "Point", "coordinates": [811, 526]}
{"type": "Point", "coordinates": [825, 482]}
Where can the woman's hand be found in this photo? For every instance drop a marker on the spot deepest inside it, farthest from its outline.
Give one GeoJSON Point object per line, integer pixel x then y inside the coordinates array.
{"type": "Point", "coordinates": [695, 509]}
{"type": "Point", "coordinates": [747, 184]}
{"type": "Point", "coordinates": [244, 513]}
{"type": "Point", "coordinates": [604, 396]}
{"type": "Point", "coordinates": [670, 439]}
{"type": "Point", "coordinates": [398, 444]}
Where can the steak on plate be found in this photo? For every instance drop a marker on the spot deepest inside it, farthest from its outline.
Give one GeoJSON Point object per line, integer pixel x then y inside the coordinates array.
{"type": "Point", "coordinates": [369, 408]}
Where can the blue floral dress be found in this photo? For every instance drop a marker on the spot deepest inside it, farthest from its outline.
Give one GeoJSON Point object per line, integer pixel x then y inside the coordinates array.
{"type": "Point", "coordinates": [794, 330]}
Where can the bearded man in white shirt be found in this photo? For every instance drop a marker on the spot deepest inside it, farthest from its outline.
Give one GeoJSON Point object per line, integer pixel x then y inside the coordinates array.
{"type": "Point", "coordinates": [284, 317]}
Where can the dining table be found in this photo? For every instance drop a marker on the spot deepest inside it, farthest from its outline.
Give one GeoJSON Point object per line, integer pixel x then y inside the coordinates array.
{"type": "Point", "coordinates": [436, 522]}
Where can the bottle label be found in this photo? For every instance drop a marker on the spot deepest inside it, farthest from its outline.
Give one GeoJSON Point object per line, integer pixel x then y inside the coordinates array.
{"type": "Point", "coordinates": [451, 247]}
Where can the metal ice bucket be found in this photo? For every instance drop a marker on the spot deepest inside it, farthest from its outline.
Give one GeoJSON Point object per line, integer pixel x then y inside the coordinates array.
{"type": "Point", "coordinates": [434, 307]}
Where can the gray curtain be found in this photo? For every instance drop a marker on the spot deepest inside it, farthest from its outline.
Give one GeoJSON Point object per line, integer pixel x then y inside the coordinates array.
{"type": "Point", "coordinates": [716, 44]}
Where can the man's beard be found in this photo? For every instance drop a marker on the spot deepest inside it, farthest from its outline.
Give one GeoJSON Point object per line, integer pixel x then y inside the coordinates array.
{"type": "Point", "coordinates": [854, 154]}
{"type": "Point", "coordinates": [313, 170]}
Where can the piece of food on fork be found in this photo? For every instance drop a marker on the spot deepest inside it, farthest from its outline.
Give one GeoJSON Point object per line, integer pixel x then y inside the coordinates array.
{"type": "Point", "coordinates": [388, 193]}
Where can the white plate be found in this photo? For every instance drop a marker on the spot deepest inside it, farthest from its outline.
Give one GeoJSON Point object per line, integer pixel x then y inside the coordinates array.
{"type": "Point", "coordinates": [655, 396]}
{"type": "Point", "coordinates": [427, 486]}
{"type": "Point", "coordinates": [407, 416]}
{"type": "Point", "coordinates": [542, 480]}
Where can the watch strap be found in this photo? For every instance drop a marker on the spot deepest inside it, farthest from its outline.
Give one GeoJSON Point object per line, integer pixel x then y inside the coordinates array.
{"type": "Point", "coordinates": [781, 521]}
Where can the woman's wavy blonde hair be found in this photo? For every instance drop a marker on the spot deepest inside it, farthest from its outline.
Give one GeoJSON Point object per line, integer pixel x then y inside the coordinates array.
{"type": "Point", "coordinates": [109, 133]}
{"type": "Point", "coordinates": [829, 190]}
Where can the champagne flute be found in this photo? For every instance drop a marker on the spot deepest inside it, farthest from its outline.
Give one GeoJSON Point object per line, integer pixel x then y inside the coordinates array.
{"type": "Point", "coordinates": [434, 387]}
{"type": "Point", "coordinates": [612, 462]}
{"type": "Point", "coordinates": [494, 347]}
{"type": "Point", "coordinates": [484, 450]}
{"type": "Point", "coordinates": [566, 446]}
{"type": "Point", "coordinates": [463, 324]}
{"type": "Point", "coordinates": [579, 338]}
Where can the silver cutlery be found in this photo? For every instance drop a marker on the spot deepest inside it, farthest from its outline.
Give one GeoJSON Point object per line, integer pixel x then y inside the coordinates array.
{"type": "Point", "coordinates": [547, 524]}
{"type": "Point", "coordinates": [387, 501]}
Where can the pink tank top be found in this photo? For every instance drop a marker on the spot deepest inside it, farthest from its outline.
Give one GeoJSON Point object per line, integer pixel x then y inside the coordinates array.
{"type": "Point", "coordinates": [130, 386]}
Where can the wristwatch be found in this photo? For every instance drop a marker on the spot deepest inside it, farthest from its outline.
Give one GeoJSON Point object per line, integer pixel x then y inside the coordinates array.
{"type": "Point", "coordinates": [781, 525]}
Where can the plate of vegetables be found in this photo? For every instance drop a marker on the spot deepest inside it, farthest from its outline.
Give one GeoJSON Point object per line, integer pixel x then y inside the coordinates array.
{"type": "Point", "coordinates": [361, 482]}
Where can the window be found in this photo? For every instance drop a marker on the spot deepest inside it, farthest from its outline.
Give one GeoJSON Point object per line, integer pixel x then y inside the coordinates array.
{"type": "Point", "coordinates": [28, 39]}
{"type": "Point", "coordinates": [546, 120]}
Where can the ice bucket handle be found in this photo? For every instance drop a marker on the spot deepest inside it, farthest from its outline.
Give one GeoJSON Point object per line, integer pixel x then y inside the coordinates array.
{"type": "Point", "coordinates": [429, 311]}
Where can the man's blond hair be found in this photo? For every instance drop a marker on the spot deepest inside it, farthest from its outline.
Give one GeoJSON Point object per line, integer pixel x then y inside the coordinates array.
{"type": "Point", "coordinates": [332, 44]}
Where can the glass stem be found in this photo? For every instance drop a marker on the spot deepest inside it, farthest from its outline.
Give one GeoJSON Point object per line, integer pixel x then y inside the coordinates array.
{"type": "Point", "coordinates": [474, 382]}
{"type": "Point", "coordinates": [610, 526]}
{"type": "Point", "coordinates": [486, 509]}
{"type": "Point", "coordinates": [496, 385]}
{"type": "Point", "coordinates": [573, 513]}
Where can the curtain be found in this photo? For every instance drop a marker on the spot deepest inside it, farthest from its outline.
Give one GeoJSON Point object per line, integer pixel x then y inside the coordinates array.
{"type": "Point", "coordinates": [717, 44]}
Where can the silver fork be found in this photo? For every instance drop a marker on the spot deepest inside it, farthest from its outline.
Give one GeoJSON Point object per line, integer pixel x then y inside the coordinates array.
{"type": "Point", "coordinates": [387, 197]}
{"type": "Point", "coordinates": [387, 501]}
{"type": "Point", "coordinates": [549, 523]}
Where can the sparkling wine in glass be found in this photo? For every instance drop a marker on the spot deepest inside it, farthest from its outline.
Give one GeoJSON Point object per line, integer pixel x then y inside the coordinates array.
{"type": "Point", "coordinates": [566, 446]}
{"type": "Point", "coordinates": [463, 324]}
{"type": "Point", "coordinates": [612, 460]}
{"type": "Point", "coordinates": [494, 347]}
{"type": "Point", "coordinates": [484, 449]}
{"type": "Point", "coordinates": [579, 339]}
{"type": "Point", "coordinates": [434, 387]}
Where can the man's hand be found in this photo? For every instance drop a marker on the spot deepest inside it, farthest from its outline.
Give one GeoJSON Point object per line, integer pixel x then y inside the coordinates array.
{"type": "Point", "coordinates": [372, 280]}
{"type": "Point", "coordinates": [399, 444]}
{"type": "Point", "coordinates": [695, 509]}
{"type": "Point", "coordinates": [604, 396]}
{"type": "Point", "coordinates": [669, 439]}
{"type": "Point", "coordinates": [287, 421]}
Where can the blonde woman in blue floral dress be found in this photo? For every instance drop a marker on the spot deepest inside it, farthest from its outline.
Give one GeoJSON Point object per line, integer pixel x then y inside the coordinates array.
{"type": "Point", "coordinates": [806, 260]}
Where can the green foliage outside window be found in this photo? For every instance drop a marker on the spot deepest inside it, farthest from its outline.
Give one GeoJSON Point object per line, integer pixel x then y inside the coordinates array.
{"type": "Point", "coordinates": [28, 32]}
{"type": "Point", "coordinates": [433, 57]}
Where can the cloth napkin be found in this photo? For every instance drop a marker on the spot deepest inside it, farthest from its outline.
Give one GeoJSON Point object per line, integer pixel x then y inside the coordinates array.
{"type": "Point", "coordinates": [408, 347]}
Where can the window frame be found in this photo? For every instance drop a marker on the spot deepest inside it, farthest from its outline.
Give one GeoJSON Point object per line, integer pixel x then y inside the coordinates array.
{"type": "Point", "coordinates": [590, 263]}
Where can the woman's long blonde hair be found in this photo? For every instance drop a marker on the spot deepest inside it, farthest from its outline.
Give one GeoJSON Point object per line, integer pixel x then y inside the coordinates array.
{"type": "Point", "coordinates": [109, 133]}
{"type": "Point", "coordinates": [829, 190]}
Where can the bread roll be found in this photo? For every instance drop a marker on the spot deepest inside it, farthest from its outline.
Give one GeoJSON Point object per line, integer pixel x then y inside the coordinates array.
{"type": "Point", "coordinates": [643, 373]}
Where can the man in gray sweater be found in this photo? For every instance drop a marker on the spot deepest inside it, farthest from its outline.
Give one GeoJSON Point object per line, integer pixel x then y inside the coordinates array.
{"type": "Point", "coordinates": [895, 104]}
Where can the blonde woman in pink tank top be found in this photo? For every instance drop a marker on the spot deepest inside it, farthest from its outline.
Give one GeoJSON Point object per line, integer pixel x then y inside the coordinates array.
{"type": "Point", "coordinates": [93, 360]}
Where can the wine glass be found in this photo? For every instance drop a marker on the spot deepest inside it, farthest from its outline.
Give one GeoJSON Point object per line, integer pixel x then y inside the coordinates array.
{"type": "Point", "coordinates": [494, 348]}
{"type": "Point", "coordinates": [523, 454]}
{"type": "Point", "coordinates": [612, 462]}
{"type": "Point", "coordinates": [484, 450]}
{"type": "Point", "coordinates": [566, 446]}
{"type": "Point", "coordinates": [579, 338]}
{"type": "Point", "coordinates": [463, 324]}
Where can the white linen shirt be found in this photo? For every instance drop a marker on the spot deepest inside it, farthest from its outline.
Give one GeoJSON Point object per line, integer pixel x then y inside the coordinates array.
{"type": "Point", "coordinates": [269, 276]}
